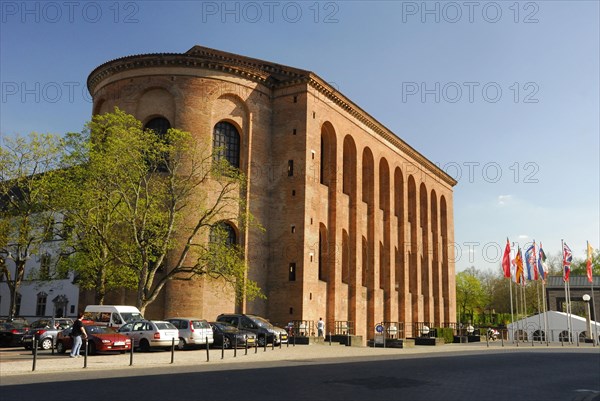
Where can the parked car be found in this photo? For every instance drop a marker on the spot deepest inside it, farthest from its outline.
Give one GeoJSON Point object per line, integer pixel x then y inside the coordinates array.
{"type": "Point", "coordinates": [227, 336]}
{"type": "Point", "coordinates": [11, 333]}
{"type": "Point", "coordinates": [283, 334]}
{"type": "Point", "coordinates": [192, 331]}
{"type": "Point", "coordinates": [260, 326]}
{"type": "Point", "coordinates": [147, 334]}
{"type": "Point", "coordinates": [111, 315]}
{"type": "Point", "coordinates": [100, 339]}
{"type": "Point", "coordinates": [45, 331]}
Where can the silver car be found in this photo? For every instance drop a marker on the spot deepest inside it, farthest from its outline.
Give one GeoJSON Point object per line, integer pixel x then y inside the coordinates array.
{"type": "Point", "coordinates": [192, 331]}
{"type": "Point", "coordinates": [147, 334]}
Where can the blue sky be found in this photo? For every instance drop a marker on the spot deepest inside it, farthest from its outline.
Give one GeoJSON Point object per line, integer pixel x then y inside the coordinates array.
{"type": "Point", "coordinates": [503, 95]}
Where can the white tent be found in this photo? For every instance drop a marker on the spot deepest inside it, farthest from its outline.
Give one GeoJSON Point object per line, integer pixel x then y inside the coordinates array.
{"type": "Point", "coordinates": [533, 327]}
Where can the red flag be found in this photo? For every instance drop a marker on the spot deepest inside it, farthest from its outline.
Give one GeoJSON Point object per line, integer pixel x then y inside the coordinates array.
{"type": "Point", "coordinates": [506, 260]}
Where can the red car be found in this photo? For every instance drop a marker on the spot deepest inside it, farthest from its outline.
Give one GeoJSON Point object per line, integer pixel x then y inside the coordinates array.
{"type": "Point", "coordinates": [100, 339]}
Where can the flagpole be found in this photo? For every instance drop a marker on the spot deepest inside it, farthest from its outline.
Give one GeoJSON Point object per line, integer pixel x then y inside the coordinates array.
{"type": "Point", "coordinates": [512, 317]}
{"type": "Point", "coordinates": [596, 338]}
{"type": "Point", "coordinates": [539, 312]}
{"type": "Point", "coordinates": [570, 311]}
{"type": "Point", "coordinates": [545, 310]}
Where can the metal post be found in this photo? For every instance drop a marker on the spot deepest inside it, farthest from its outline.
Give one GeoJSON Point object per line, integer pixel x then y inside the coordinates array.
{"type": "Point", "coordinates": [265, 342]}
{"type": "Point", "coordinates": [131, 353]}
{"type": "Point", "coordinates": [246, 344]}
{"type": "Point", "coordinates": [235, 346]}
{"type": "Point", "coordinates": [207, 353]}
{"type": "Point", "coordinates": [34, 352]}
{"type": "Point", "coordinates": [502, 338]}
{"type": "Point", "coordinates": [173, 349]}
{"type": "Point", "coordinates": [330, 338]}
{"type": "Point", "coordinates": [85, 352]}
{"type": "Point", "coordinates": [223, 347]}
{"type": "Point", "coordinates": [256, 343]}
{"type": "Point", "coordinates": [487, 339]}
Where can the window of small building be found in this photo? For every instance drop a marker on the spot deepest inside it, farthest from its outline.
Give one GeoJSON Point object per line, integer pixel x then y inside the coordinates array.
{"type": "Point", "coordinates": [40, 306]}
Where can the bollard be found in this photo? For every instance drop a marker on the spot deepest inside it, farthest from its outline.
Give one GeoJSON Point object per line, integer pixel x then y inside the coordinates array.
{"type": "Point", "coordinates": [85, 352]}
{"type": "Point", "coordinates": [330, 338]}
{"type": "Point", "coordinates": [53, 345]}
{"type": "Point", "coordinates": [265, 342]}
{"type": "Point", "coordinates": [532, 340]}
{"type": "Point", "coordinates": [487, 340]}
{"type": "Point", "coordinates": [280, 340]}
{"type": "Point", "coordinates": [273, 342]}
{"type": "Point", "coordinates": [246, 344]}
{"type": "Point", "coordinates": [223, 347]}
{"type": "Point", "coordinates": [235, 346]}
{"type": "Point", "coordinates": [34, 350]}
{"type": "Point", "coordinates": [256, 343]}
{"type": "Point", "coordinates": [502, 338]}
{"type": "Point", "coordinates": [294, 339]}
{"type": "Point", "coordinates": [131, 353]}
{"type": "Point", "coordinates": [207, 353]}
{"type": "Point", "coordinates": [173, 350]}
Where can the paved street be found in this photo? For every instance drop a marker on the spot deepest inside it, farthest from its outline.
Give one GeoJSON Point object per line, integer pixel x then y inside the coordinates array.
{"type": "Point", "coordinates": [315, 372]}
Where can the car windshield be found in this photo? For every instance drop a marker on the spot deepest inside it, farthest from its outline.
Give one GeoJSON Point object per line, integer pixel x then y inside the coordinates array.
{"type": "Point", "coordinates": [165, 326]}
{"type": "Point", "coordinates": [200, 324]}
{"type": "Point", "coordinates": [131, 316]}
{"type": "Point", "coordinates": [261, 322]}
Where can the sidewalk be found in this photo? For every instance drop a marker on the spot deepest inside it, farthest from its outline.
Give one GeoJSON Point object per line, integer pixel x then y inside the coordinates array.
{"type": "Point", "coordinates": [314, 353]}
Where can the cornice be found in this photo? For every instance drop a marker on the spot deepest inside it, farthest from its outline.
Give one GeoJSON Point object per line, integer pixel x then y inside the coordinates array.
{"type": "Point", "coordinates": [272, 75]}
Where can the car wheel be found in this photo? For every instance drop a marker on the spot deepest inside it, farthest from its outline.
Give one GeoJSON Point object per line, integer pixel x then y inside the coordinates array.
{"type": "Point", "coordinates": [60, 347]}
{"type": "Point", "coordinates": [144, 345]}
{"type": "Point", "coordinates": [262, 341]}
{"type": "Point", "coordinates": [226, 342]}
{"type": "Point", "coordinates": [181, 344]}
{"type": "Point", "coordinates": [46, 344]}
{"type": "Point", "coordinates": [91, 348]}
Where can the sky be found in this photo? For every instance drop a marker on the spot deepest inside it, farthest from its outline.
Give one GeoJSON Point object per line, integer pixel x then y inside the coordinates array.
{"type": "Point", "coordinates": [502, 95]}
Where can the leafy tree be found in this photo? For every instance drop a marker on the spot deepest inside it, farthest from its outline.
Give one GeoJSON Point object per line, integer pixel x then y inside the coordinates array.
{"type": "Point", "coordinates": [470, 295]}
{"type": "Point", "coordinates": [27, 167]}
{"type": "Point", "coordinates": [148, 205]}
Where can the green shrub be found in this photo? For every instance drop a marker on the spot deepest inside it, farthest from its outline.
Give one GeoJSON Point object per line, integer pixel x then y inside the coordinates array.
{"type": "Point", "coordinates": [446, 333]}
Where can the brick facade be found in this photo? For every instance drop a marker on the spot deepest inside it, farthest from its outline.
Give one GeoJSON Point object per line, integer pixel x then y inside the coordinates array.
{"type": "Point", "coordinates": [365, 219]}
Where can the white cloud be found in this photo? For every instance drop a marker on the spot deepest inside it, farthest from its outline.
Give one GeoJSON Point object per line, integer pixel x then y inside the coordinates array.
{"type": "Point", "coordinates": [504, 199]}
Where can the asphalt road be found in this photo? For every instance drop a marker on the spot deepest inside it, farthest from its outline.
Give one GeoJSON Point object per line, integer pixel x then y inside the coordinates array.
{"type": "Point", "coordinates": [527, 374]}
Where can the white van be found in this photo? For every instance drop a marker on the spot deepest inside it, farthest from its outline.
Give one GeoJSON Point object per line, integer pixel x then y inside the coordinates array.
{"type": "Point", "coordinates": [111, 315]}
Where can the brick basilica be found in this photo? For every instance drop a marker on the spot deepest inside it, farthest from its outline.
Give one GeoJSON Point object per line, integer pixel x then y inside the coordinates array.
{"type": "Point", "coordinates": [358, 225]}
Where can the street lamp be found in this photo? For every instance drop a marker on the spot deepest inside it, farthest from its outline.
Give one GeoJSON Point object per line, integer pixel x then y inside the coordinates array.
{"type": "Point", "coordinates": [588, 319]}
{"type": "Point", "coordinates": [425, 331]}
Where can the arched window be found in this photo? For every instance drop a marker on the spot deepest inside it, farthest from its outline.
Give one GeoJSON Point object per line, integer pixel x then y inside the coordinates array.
{"type": "Point", "coordinates": [227, 139]}
{"type": "Point", "coordinates": [160, 125]}
{"type": "Point", "coordinates": [223, 231]}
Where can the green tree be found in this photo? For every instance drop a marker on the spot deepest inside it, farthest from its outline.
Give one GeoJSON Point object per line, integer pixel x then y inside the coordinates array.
{"type": "Point", "coordinates": [27, 168]}
{"type": "Point", "coordinates": [470, 295]}
{"type": "Point", "coordinates": [160, 197]}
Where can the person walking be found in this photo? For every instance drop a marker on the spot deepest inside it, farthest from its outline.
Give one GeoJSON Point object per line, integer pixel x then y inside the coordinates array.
{"type": "Point", "coordinates": [77, 332]}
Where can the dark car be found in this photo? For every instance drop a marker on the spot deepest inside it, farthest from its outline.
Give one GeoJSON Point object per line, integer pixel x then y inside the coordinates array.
{"type": "Point", "coordinates": [265, 332]}
{"type": "Point", "coordinates": [100, 339]}
{"type": "Point", "coordinates": [228, 336]}
{"type": "Point", "coordinates": [45, 331]}
{"type": "Point", "coordinates": [11, 333]}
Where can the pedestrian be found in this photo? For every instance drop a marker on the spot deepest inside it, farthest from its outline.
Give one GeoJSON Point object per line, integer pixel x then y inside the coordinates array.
{"type": "Point", "coordinates": [77, 332]}
{"type": "Point", "coordinates": [321, 328]}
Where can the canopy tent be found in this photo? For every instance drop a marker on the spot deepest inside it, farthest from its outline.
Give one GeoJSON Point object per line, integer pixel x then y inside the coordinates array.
{"type": "Point", "coordinates": [533, 327]}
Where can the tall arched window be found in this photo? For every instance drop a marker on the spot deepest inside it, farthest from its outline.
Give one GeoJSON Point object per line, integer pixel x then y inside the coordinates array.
{"type": "Point", "coordinates": [223, 231]}
{"type": "Point", "coordinates": [160, 126]}
{"type": "Point", "coordinates": [227, 139]}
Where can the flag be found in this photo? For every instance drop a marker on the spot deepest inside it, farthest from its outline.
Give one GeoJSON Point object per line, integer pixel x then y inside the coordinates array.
{"type": "Point", "coordinates": [519, 274]}
{"type": "Point", "coordinates": [567, 259]}
{"type": "Point", "coordinates": [530, 262]}
{"type": "Point", "coordinates": [506, 260]}
{"type": "Point", "coordinates": [542, 263]}
{"type": "Point", "coordinates": [588, 264]}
